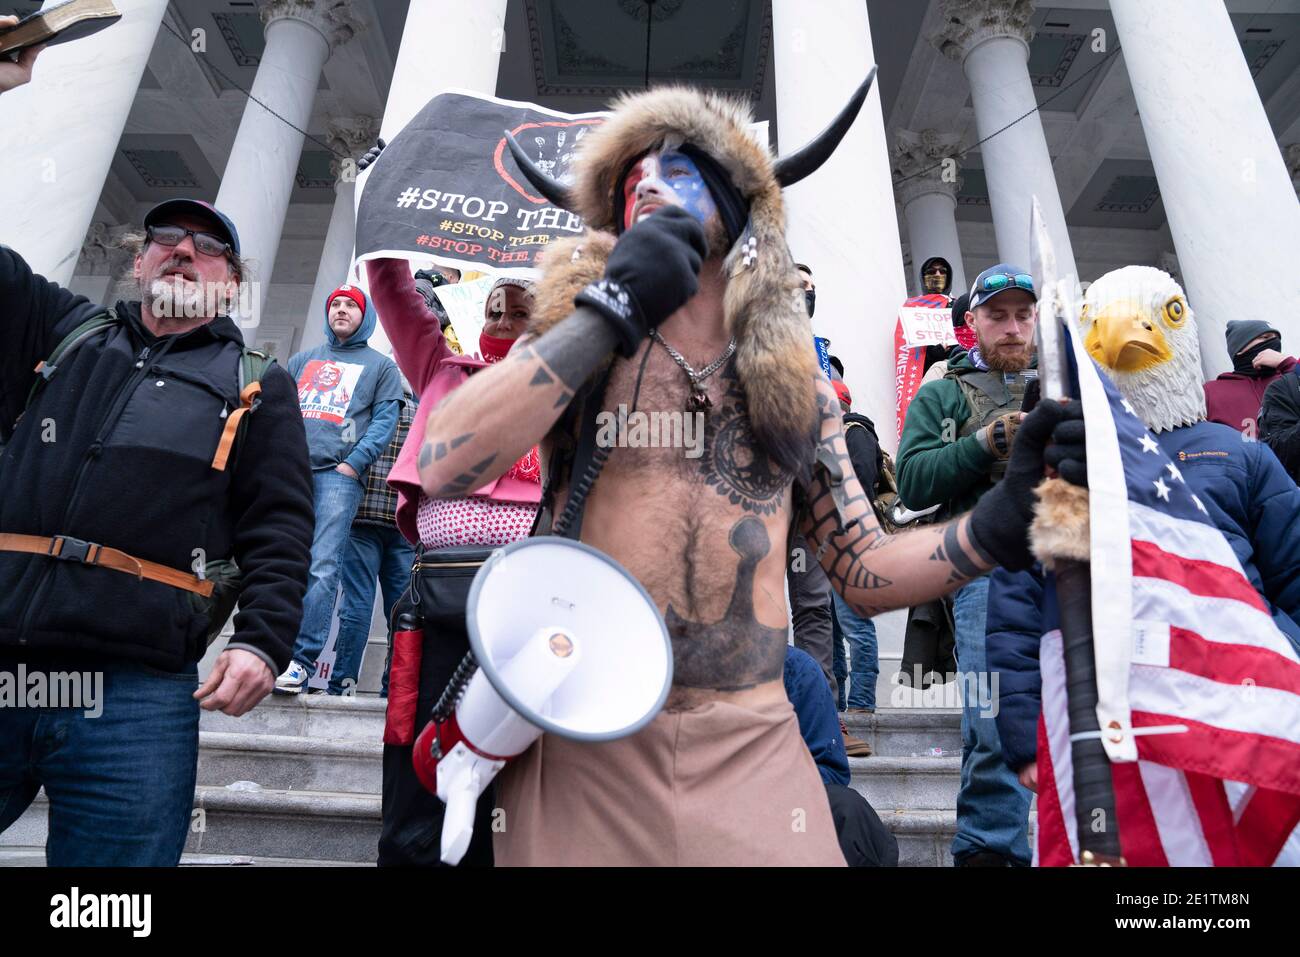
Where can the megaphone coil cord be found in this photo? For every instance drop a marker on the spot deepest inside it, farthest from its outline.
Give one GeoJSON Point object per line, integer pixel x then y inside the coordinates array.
{"type": "Point", "coordinates": [455, 689]}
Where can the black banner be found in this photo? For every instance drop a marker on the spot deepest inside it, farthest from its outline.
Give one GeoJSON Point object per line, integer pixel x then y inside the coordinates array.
{"type": "Point", "coordinates": [446, 187]}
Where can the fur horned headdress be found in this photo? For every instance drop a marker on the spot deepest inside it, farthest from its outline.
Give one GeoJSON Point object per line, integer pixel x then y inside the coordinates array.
{"type": "Point", "coordinates": [764, 304]}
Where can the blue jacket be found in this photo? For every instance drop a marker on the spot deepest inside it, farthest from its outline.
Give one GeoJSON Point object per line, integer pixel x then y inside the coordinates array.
{"type": "Point", "coordinates": [805, 686]}
{"type": "Point", "coordinates": [1248, 496]}
{"type": "Point", "coordinates": [349, 396]}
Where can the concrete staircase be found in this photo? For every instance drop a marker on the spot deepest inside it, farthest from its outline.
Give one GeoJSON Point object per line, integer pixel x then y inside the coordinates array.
{"type": "Point", "coordinates": [297, 781]}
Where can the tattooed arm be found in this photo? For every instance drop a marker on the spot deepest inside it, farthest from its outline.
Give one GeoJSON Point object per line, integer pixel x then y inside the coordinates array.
{"type": "Point", "coordinates": [480, 429]}
{"type": "Point", "coordinates": [874, 571]}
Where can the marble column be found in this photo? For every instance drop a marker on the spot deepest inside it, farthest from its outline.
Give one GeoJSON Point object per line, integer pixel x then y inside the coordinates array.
{"type": "Point", "coordinates": [990, 38]}
{"type": "Point", "coordinates": [1229, 197]}
{"type": "Point", "coordinates": [841, 219]}
{"type": "Point", "coordinates": [1292, 154]}
{"type": "Point", "coordinates": [445, 43]}
{"type": "Point", "coordinates": [58, 135]}
{"type": "Point", "coordinates": [259, 176]}
{"type": "Point", "coordinates": [926, 185]}
{"type": "Point", "coordinates": [348, 137]}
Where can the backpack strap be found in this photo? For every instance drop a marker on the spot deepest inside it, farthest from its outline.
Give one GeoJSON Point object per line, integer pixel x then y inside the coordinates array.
{"type": "Point", "coordinates": [252, 367]}
{"type": "Point", "coordinates": [46, 368]}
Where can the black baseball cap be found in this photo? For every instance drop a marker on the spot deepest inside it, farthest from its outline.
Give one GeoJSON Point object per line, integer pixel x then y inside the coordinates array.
{"type": "Point", "coordinates": [195, 207]}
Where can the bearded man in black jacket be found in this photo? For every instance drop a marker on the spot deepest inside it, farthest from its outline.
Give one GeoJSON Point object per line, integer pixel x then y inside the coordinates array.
{"type": "Point", "coordinates": [136, 478]}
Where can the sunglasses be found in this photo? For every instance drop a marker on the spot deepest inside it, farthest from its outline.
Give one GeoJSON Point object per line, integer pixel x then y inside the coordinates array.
{"type": "Point", "coordinates": [1003, 280]}
{"type": "Point", "coordinates": [206, 243]}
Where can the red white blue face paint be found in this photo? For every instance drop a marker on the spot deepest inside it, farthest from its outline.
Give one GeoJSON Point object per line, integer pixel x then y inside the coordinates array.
{"type": "Point", "coordinates": [666, 178]}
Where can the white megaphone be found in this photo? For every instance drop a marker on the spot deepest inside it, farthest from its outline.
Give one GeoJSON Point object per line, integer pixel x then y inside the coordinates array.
{"type": "Point", "coordinates": [566, 641]}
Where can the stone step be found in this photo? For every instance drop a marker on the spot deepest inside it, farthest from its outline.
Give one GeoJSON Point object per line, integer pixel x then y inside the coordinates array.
{"type": "Point", "coordinates": [907, 784]}
{"type": "Point", "coordinates": [327, 826]}
{"type": "Point", "coordinates": [325, 717]}
{"type": "Point", "coordinates": [924, 837]}
{"type": "Point", "coordinates": [291, 763]}
{"type": "Point", "coordinates": [903, 732]}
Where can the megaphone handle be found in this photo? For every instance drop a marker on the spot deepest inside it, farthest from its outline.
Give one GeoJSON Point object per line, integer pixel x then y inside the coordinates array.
{"type": "Point", "coordinates": [458, 820]}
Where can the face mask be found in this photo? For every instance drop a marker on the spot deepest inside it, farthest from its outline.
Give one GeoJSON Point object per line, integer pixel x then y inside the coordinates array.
{"type": "Point", "coordinates": [493, 348]}
{"type": "Point", "coordinates": [1243, 363]}
{"type": "Point", "coordinates": [810, 297]}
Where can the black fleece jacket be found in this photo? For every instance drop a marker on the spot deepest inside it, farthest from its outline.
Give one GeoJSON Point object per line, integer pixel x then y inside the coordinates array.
{"type": "Point", "coordinates": [117, 449]}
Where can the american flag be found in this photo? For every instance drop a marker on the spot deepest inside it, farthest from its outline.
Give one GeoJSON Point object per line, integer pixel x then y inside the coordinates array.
{"type": "Point", "coordinates": [1188, 657]}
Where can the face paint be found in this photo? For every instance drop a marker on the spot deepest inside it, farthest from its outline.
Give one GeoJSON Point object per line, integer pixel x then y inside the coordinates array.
{"type": "Point", "coordinates": [667, 178]}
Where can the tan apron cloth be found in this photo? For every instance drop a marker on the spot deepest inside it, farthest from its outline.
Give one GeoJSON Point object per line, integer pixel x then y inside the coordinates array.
{"type": "Point", "coordinates": [721, 784]}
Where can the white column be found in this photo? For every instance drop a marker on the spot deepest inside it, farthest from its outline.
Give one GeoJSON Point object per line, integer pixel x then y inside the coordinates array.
{"type": "Point", "coordinates": [841, 220]}
{"type": "Point", "coordinates": [990, 38]}
{"type": "Point", "coordinates": [58, 135]}
{"type": "Point", "coordinates": [1231, 204]}
{"type": "Point", "coordinates": [350, 137]}
{"type": "Point", "coordinates": [926, 188]}
{"type": "Point", "coordinates": [445, 43]}
{"type": "Point", "coordinates": [259, 175]}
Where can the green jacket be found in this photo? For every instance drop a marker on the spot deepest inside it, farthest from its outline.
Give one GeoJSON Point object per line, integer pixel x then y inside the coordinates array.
{"type": "Point", "coordinates": [935, 466]}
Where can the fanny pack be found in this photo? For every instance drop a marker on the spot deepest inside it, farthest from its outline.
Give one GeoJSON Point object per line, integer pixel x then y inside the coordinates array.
{"type": "Point", "coordinates": [440, 583]}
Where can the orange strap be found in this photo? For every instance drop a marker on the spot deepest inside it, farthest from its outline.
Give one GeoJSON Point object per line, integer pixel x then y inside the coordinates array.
{"type": "Point", "coordinates": [105, 558]}
{"type": "Point", "coordinates": [251, 391]}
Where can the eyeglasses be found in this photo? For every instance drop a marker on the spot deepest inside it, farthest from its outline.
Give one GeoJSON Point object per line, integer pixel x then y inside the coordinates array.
{"type": "Point", "coordinates": [206, 243]}
{"type": "Point", "coordinates": [1003, 280]}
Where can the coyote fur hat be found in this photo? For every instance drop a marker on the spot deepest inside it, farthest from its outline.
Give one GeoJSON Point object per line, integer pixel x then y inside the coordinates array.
{"type": "Point", "coordinates": [764, 305]}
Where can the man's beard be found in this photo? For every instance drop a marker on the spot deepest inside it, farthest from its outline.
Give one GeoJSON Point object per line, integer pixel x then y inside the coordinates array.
{"type": "Point", "coordinates": [173, 299]}
{"type": "Point", "coordinates": [1002, 360]}
{"type": "Point", "coordinates": [715, 235]}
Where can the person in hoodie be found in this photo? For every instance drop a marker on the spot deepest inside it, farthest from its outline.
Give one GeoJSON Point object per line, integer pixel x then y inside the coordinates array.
{"type": "Point", "coordinates": [1235, 397]}
{"type": "Point", "coordinates": [350, 396]}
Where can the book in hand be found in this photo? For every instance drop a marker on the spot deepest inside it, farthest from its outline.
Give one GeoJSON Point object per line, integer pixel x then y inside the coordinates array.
{"type": "Point", "coordinates": [59, 23]}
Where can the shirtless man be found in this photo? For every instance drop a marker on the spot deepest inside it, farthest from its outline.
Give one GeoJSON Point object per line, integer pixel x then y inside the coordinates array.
{"type": "Point", "coordinates": [720, 776]}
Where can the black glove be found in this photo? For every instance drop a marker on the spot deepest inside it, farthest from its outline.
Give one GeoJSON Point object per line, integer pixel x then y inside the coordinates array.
{"type": "Point", "coordinates": [370, 155]}
{"type": "Point", "coordinates": [653, 270]}
{"type": "Point", "coordinates": [1000, 522]}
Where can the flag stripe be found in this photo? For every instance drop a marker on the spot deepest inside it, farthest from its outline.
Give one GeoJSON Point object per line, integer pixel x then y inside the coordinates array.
{"type": "Point", "coordinates": [1059, 843]}
{"type": "Point", "coordinates": [1241, 665]}
{"type": "Point", "coordinates": [1197, 576]}
{"type": "Point", "coordinates": [1265, 762]}
{"type": "Point", "coordinates": [1215, 619]}
{"type": "Point", "coordinates": [1183, 537]}
{"type": "Point", "coordinates": [1248, 710]}
{"type": "Point", "coordinates": [1053, 845]}
{"type": "Point", "coordinates": [1216, 818]}
{"type": "Point", "coordinates": [1265, 825]}
{"type": "Point", "coordinates": [1181, 838]}
{"type": "Point", "coordinates": [1139, 837]}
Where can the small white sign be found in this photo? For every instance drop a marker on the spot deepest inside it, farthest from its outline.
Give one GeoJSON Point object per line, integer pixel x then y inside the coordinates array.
{"type": "Point", "coordinates": [465, 302]}
{"type": "Point", "coordinates": [1151, 643]}
{"type": "Point", "coordinates": [923, 326]}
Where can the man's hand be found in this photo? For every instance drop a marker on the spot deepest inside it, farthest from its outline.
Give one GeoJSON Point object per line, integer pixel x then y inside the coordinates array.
{"type": "Point", "coordinates": [653, 270]}
{"type": "Point", "coordinates": [347, 470]}
{"type": "Point", "coordinates": [1268, 359]}
{"type": "Point", "coordinates": [999, 434]}
{"type": "Point", "coordinates": [370, 155]}
{"type": "Point", "coordinates": [238, 682]}
{"type": "Point", "coordinates": [1052, 435]}
{"type": "Point", "coordinates": [16, 74]}
{"type": "Point", "coordinates": [1029, 777]}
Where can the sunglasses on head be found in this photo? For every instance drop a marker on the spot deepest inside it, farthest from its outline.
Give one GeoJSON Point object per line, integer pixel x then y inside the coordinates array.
{"type": "Point", "coordinates": [1003, 280]}
{"type": "Point", "coordinates": [208, 244]}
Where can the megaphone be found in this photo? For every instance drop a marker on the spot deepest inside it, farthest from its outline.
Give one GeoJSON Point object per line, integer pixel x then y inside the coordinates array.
{"type": "Point", "coordinates": [566, 641]}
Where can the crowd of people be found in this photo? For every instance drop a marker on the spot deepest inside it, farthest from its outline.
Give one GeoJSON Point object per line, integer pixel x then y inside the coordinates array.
{"type": "Point", "coordinates": [188, 473]}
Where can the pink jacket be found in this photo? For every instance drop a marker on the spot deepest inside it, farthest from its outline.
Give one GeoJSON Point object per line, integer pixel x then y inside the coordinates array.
{"type": "Point", "coordinates": [433, 370]}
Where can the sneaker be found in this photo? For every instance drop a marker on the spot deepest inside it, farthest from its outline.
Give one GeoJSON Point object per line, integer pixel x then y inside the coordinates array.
{"type": "Point", "coordinates": [855, 747]}
{"type": "Point", "coordinates": [984, 859]}
{"type": "Point", "coordinates": [293, 681]}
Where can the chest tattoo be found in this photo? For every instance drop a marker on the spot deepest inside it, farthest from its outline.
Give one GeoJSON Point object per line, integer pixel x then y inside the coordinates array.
{"type": "Point", "coordinates": [734, 463]}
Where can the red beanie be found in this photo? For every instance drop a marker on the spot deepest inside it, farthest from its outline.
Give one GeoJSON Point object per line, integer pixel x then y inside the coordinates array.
{"type": "Point", "coordinates": [842, 390]}
{"type": "Point", "coordinates": [352, 292]}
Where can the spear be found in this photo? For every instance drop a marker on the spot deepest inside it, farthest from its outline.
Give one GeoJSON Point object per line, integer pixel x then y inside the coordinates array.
{"type": "Point", "coordinates": [1094, 795]}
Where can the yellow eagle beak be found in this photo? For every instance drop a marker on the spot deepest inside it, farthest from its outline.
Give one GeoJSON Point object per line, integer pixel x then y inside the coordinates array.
{"type": "Point", "coordinates": [1125, 338]}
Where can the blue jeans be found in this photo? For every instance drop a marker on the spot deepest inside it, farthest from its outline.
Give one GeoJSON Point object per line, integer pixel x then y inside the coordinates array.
{"type": "Point", "coordinates": [121, 782]}
{"type": "Point", "coordinates": [839, 667]}
{"type": "Point", "coordinates": [373, 552]}
{"type": "Point", "coordinates": [864, 656]}
{"type": "Point", "coordinates": [337, 497]}
{"type": "Point", "coordinates": [992, 807]}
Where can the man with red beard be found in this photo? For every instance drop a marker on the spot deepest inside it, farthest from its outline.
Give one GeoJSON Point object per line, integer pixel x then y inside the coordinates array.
{"type": "Point", "coordinates": [954, 448]}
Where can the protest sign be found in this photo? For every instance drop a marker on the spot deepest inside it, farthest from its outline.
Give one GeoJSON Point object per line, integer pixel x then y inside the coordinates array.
{"type": "Point", "coordinates": [447, 188]}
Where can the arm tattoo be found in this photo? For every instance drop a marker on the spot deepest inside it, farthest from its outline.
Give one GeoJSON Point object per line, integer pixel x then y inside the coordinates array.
{"type": "Point", "coordinates": [466, 481]}
{"type": "Point", "coordinates": [967, 561]}
{"type": "Point", "coordinates": [571, 350]}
